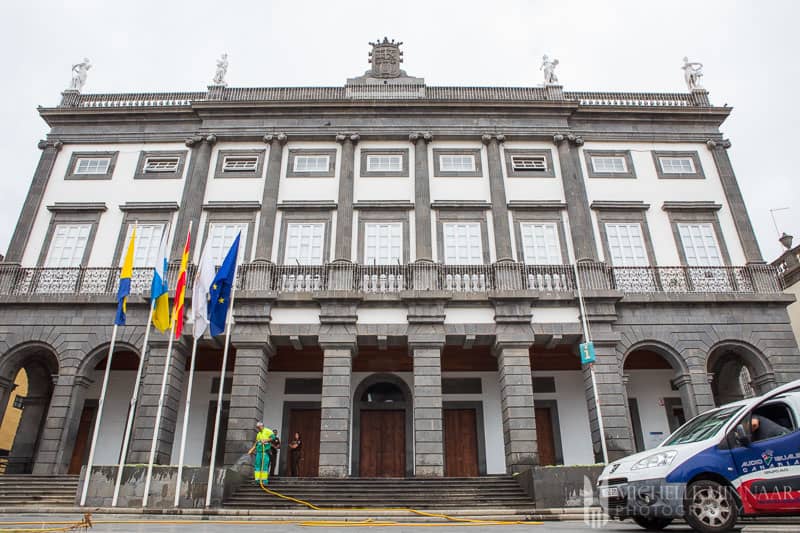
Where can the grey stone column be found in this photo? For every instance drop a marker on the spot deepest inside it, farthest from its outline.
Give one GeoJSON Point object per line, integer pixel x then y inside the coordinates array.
{"type": "Point", "coordinates": [700, 387]}
{"type": "Point", "coordinates": [144, 420]}
{"type": "Point", "coordinates": [344, 209]}
{"type": "Point", "coordinates": [61, 426]}
{"type": "Point", "coordinates": [422, 195]}
{"type": "Point", "coordinates": [248, 390]}
{"type": "Point", "coordinates": [516, 402]}
{"type": "Point", "coordinates": [16, 248]}
{"type": "Point", "coordinates": [269, 200]}
{"type": "Point", "coordinates": [719, 150]}
{"type": "Point", "coordinates": [30, 425]}
{"type": "Point", "coordinates": [194, 190]}
{"type": "Point", "coordinates": [497, 188]}
{"type": "Point", "coordinates": [580, 218]}
{"type": "Point", "coordinates": [428, 426]}
{"type": "Point", "coordinates": [683, 384]}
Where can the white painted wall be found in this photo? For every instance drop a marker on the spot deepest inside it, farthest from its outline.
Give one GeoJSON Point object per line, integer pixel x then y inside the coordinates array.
{"type": "Point", "coordinates": [120, 189]}
{"type": "Point", "coordinates": [235, 189]}
{"type": "Point", "coordinates": [650, 387]}
{"type": "Point", "coordinates": [115, 413]}
{"type": "Point", "coordinates": [533, 188]}
{"type": "Point", "coordinates": [651, 190]}
{"type": "Point", "coordinates": [373, 188]}
{"type": "Point", "coordinates": [317, 189]}
{"type": "Point", "coordinates": [459, 188]}
{"type": "Point", "coordinates": [550, 314]}
{"type": "Point", "coordinates": [198, 417]}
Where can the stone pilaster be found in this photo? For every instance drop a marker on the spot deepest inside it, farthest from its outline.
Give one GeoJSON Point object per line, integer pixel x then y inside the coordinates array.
{"type": "Point", "coordinates": [269, 200]}
{"type": "Point", "coordinates": [33, 201]}
{"type": "Point", "coordinates": [426, 338]}
{"type": "Point", "coordinates": [194, 189]}
{"type": "Point", "coordinates": [580, 218]}
{"type": "Point", "coordinates": [61, 426]}
{"type": "Point", "coordinates": [337, 338]}
{"type": "Point", "coordinates": [497, 189]}
{"type": "Point", "coordinates": [344, 209]}
{"type": "Point", "coordinates": [7, 386]}
{"type": "Point", "coordinates": [144, 420]}
{"type": "Point", "coordinates": [422, 195]}
{"type": "Point", "coordinates": [22, 452]}
{"type": "Point", "coordinates": [741, 220]}
{"type": "Point", "coordinates": [512, 349]}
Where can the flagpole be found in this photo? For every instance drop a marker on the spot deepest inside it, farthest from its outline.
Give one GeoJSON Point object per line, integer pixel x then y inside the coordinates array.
{"type": "Point", "coordinates": [185, 424]}
{"type": "Point", "coordinates": [132, 408]}
{"type": "Point", "coordinates": [212, 462]}
{"type": "Point", "coordinates": [88, 473]}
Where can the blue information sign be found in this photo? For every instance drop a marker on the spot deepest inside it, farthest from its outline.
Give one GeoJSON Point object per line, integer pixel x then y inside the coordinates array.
{"type": "Point", "coordinates": [587, 353]}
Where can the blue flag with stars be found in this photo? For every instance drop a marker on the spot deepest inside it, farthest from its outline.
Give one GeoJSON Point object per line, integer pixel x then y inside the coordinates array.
{"type": "Point", "coordinates": [220, 291]}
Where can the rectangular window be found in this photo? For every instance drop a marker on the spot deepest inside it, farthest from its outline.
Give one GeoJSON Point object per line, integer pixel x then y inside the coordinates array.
{"type": "Point", "coordinates": [529, 163]}
{"type": "Point", "coordinates": [245, 163]}
{"type": "Point", "coordinates": [609, 164]}
{"type": "Point", "coordinates": [304, 243]}
{"type": "Point", "coordinates": [145, 251]}
{"type": "Point", "coordinates": [68, 245]}
{"type": "Point", "coordinates": [383, 243]}
{"type": "Point", "coordinates": [154, 165]}
{"type": "Point", "coordinates": [626, 243]}
{"type": "Point", "coordinates": [92, 165]}
{"type": "Point", "coordinates": [221, 236]}
{"type": "Point", "coordinates": [677, 165]}
{"type": "Point", "coordinates": [311, 163]}
{"type": "Point", "coordinates": [457, 162]}
{"type": "Point", "coordinates": [384, 163]}
{"type": "Point", "coordinates": [462, 243]}
{"type": "Point", "coordinates": [700, 245]}
{"type": "Point", "coordinates": [540, 243]}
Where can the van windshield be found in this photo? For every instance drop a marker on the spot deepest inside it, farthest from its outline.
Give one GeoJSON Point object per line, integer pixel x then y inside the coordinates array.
{"type": "Point", "coordinates": [703, 426]}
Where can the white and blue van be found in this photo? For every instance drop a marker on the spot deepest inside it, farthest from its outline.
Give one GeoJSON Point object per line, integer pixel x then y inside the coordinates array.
{"type": "Point", "coordinates": [740, 459]}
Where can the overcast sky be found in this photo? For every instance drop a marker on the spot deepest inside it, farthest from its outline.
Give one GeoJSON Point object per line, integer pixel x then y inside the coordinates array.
{"type": "Point", "coordinates": [749, 50]}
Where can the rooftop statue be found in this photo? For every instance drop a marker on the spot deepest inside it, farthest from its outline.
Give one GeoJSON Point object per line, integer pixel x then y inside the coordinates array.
{"type": "Point", "coordinates": [222, 69]}
{"type": "Point", "coordinates": [79, 74]}
{"type": "Point", "coordinates": [692, 72]}
{"type": "Point", "coordinates": [549, 69]}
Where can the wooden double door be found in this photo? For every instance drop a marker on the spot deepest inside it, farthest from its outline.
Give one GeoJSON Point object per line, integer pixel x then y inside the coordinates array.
{"type": "Point", "coordinates": [306, 421]}
{"type": "Point", "coordinates": [382, 446]}
{"type": "Point", "coordinates": [461, 445]}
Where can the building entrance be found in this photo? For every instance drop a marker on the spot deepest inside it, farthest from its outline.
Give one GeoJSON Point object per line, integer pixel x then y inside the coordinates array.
{"type": "Point", "coordinates": [382, 418]}
{"type": "Point", "coordinates": [461, 443]}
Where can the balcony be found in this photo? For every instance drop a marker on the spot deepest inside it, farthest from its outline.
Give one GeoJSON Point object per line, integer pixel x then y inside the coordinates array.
{"type": "Point", "coordinates": [421, 276]}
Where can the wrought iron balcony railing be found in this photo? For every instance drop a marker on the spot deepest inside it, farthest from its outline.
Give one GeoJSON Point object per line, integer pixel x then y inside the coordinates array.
{"type": "Point", "coordinates": [420, 276]}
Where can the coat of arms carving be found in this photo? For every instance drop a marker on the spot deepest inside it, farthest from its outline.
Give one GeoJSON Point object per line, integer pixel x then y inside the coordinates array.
{"type": "Point", "coordinates": [386, 58]}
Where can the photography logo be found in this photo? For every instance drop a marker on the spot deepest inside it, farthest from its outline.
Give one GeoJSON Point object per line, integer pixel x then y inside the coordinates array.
{"type": "Point", "coordinates": [593, 515]}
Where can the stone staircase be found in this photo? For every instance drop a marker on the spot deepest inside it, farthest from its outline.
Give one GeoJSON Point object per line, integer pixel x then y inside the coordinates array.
{"type": "Point", "coordinates": [38, 491]}
{"type": "Point", "coordinates": [496, 493]}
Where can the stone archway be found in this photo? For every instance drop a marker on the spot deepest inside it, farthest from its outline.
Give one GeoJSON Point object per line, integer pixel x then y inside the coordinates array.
{"type": "Point", "coordinates": [382, 407]}
{"type": "Point", "coordinates": [23, 417]}
{"type": "Point", "coordinates": [739, 371]}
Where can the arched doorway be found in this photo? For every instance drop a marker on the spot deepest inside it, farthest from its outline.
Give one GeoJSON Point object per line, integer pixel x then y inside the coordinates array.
{"type": "Point", "coordinates": [29, 373]}
{"type": "Point", "coordinates": [738, 372]}
{"type": "Point", "coordinates": [382, 418]}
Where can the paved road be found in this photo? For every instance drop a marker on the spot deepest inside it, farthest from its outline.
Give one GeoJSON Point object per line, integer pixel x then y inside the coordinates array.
{"type": "Point", "coordinates": [105, 524]}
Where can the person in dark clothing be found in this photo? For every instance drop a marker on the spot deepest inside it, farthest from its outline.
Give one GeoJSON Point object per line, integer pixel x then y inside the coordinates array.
{"type": "Point", "coordinates": [762, 428]}
{"type": "Point", "coordinates": [295, 455]}
{"type": "Point", "coordinates": [273, 451]}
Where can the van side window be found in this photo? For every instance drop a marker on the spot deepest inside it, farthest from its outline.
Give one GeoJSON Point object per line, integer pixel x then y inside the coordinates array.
{"type": "Point", "coordinates": [772, 420]}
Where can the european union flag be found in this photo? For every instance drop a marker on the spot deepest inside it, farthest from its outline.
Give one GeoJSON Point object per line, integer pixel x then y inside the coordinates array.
{"type": "Point", "coordinates": [220, 290]}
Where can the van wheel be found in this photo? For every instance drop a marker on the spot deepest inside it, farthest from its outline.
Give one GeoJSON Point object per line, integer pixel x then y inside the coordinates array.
{"type": "Point", "coordinates": [652, 523]}
{"type": "Point", "coordinates": [710, 507]}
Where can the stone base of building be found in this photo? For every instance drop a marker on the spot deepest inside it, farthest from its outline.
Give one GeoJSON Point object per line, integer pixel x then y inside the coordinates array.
{"type": "Point", "coordinates": [162, 486]}
{"type": "Point", "coordinates": [560, 486]}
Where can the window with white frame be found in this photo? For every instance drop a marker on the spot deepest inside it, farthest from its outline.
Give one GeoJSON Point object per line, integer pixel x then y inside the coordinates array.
{"type": "Point", "coordinates": [457, 162]}
{"type": "Point", "coordinates": [700, 244]}
{"type": "Point", "coordinates": [384, 163]}
{"type": "Point", "coordinates": [240, 163]}
{"type": "Point", "coordinates": [609, 164]}
{"type": "Point", "coordinates": [155, 165]}
{"type": "Point", "coordinates": [383, 243]}
{"type": "Point", "coordinates": [626, 244]}
{"type": "Point", "coordinates": [221, 236]}
{"type": "Point", "coordinates": [535, 163]}
{"type": "Point", "coordinates": [145, 249]}
{"type": "Point", "coordinates": [92, 165]}
{"type": "Point", "coordinates": [677, 165]}
{"type": "Point", "coordinates": [540, 243]}
{"type": "Point", "coordinates": [304, 243]}
{"type": "Point", "coordinates": [68, 245]}
{"type": "Point", "coordinates": [462, 243]}
{"type": "Point", "coordinates": [311, 163]}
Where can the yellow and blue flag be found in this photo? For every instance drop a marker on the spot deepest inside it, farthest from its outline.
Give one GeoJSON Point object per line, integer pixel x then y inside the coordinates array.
{"type": "Point", "coordinates": [159, 292]}
{"type": "Point", "coordinates": [220, 292]}
{"type": "Point", "coordinates": [125, 282]}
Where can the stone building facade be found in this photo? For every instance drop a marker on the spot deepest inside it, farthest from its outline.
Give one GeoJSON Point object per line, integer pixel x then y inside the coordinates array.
{"type": "Point", "coordinates": [407, 296]}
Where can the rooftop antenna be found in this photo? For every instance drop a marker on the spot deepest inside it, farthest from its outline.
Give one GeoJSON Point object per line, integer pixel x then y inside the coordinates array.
{"type": "Point", "coordinates": [772, 214]}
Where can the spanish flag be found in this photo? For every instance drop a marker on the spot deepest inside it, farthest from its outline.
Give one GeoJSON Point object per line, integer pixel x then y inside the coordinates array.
{"type": "Point", "coordinates": [180, 288]}
{"type": "Point", "coordinates": [125, 282]}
